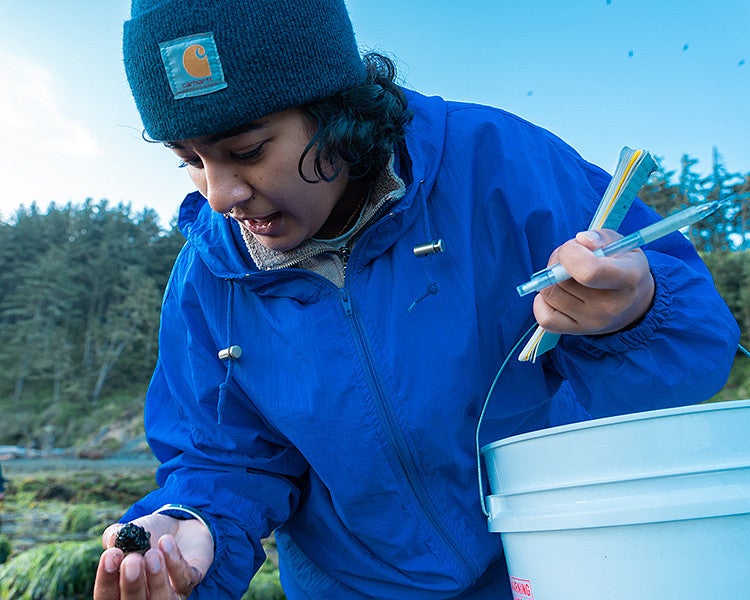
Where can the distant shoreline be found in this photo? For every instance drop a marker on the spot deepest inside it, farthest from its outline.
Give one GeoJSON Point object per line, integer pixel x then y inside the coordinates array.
{"type": "Point", "coordinates": [22, 467]}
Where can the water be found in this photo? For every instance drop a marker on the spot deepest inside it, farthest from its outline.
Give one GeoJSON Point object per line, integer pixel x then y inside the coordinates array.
{"type": "Point", "coordinates": [29, 523]}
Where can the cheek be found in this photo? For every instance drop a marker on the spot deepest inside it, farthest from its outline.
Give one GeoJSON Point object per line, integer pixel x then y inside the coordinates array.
{"type": "Point", "coordinates": [325, 201]}
{"type": "Point", "coordinates": [309, 206]}
{"type": "Point", "coordinates": [198, 177]}
{"type": "Point", "coordinates": [308, 165]}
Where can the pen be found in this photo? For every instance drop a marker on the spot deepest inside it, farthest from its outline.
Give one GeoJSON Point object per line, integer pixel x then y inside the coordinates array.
{"type": "Point", "coordinates": [557, 273]}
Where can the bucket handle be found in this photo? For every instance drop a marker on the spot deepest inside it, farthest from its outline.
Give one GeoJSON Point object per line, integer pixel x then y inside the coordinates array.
{"type": "Point", "coordinates": [484, 408]}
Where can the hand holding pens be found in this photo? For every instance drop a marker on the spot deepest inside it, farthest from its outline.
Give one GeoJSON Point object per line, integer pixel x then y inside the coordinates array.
{"type": "Point", "coordinates": [557, 273]}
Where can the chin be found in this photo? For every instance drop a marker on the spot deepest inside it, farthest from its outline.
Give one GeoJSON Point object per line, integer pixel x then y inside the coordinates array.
{"type": "Point", "coordinates": [278, 244]}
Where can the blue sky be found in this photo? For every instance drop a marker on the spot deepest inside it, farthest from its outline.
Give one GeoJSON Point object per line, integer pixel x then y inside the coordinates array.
{"type": "Point", "coordinates": [671, 76]}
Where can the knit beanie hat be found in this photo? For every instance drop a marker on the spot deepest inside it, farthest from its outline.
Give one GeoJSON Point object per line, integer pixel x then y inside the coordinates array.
{"type": "Point", "coordinates": [198, 67]}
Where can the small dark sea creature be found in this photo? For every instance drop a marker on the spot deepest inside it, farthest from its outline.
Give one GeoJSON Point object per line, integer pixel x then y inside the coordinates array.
{"type": "Point", "coordinates": [133, 538]}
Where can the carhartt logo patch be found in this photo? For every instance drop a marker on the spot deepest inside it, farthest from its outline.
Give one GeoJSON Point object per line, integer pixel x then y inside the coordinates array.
{"type": "Point", "coordinates": [193, 65]}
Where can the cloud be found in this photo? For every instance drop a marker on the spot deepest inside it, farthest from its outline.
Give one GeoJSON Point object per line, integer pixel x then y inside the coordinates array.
{"type": "Point", "coordinates": [32, 112]}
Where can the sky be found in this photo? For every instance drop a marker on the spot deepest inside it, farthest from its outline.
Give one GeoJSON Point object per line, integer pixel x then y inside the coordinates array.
{"type": "Point", "coordinates": [668, 76]}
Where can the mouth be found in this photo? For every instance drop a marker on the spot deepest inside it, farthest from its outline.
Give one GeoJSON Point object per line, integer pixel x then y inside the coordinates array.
{"type": "Point", "coordinates": [265, 225]}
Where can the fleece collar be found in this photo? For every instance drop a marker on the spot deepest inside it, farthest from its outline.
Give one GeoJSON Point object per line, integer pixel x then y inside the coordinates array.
{"type": "Point", "coordinates": [219, 241]}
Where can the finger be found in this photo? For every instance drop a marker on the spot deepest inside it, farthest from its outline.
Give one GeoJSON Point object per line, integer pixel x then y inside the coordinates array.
{"type": "Point", "coordinates": [159, 585]}
{"type": "Point", "coordinates": [133, 578]}
{"type": "Point", "coordinates": [604, 273]}
{"type": "Point", "coordinates": [551, 318]}
{"type": "Point", "coordinates": [596, 238]}
{"type": "Point", "coordinates": [581, 263]}
{"type": "Point", "coordinates": [156, 525]}
{"type": "Point", "coordinates": [184, 577]}
{"type": "Point", "coordinates": [106, 585]}
{"type": "Point", "coordinates": [109, 535]}
{"type": "Point", "coordinates": [571, 307]}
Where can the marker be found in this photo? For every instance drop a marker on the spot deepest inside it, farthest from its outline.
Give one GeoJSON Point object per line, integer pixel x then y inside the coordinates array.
{"type": "Point", "coordinates": [557, 273]}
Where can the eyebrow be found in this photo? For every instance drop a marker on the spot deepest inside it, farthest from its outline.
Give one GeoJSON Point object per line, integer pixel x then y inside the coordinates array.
{"type": "Point", "coordinates": [223, 135]}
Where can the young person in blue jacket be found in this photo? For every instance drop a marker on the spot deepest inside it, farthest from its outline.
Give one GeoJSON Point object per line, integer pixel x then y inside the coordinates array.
{"type": "Point", "coordinates": [319, 379]}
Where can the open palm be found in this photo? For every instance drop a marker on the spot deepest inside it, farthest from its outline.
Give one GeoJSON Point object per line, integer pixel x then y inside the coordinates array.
{"type": "Point", "coordinates": [181, 553]}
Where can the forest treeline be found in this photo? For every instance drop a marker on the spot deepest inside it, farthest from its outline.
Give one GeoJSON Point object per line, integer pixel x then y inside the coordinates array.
{"type": "Point", "coordinates": [80, 294]}
{"type": "Point", "coordinates": [81, 288]}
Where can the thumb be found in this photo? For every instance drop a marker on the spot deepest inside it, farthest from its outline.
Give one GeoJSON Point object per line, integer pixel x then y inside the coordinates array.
{"type": "Point", "coordinates": [109, 535]}
{"type": "Point", "coordinates": [596, 238]}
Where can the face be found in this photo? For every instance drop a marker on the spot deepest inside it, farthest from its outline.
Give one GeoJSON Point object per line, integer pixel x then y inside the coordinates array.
{"type": "Point", "coordinates": [252, 174]}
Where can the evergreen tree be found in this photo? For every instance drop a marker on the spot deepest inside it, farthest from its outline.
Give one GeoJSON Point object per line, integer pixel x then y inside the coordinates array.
{"type": "Point", "coordinates": [659, 193]}
{"type": "Point", "coordinates": [717, 230]}
{"type": "Point", "coordinates": [690, 191]}
{"type": "Point", "coordinates": [80, 291]}
{"type": "Point", "coordinates": [741, 237]}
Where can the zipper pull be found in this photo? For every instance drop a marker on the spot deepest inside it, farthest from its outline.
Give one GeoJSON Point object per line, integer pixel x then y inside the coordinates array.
{"type": "Point", "coordinates": [346, 300]}
{"type": "Point", "coordinates": [345, 252]}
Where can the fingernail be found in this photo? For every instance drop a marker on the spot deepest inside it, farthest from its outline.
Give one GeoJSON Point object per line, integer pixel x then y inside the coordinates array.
{"type": "Point", "coordinates": [109, 563]}
{"type": "Point", "coordinates": [592, 235]}
{"type": "Point", "coordinates": [167, 545]}
{"type": "Point", "coordinates": [132, 570]}
{"type": "Point", "coordinates": [153, 562]}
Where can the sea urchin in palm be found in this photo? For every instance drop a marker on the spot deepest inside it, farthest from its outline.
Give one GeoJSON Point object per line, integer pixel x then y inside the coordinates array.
{"type": "Point", "coordinates": [133, 538]}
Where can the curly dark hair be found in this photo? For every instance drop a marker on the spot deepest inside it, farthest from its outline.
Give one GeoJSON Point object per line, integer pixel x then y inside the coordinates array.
{"type": "Point", "coordinates": [360, 126]}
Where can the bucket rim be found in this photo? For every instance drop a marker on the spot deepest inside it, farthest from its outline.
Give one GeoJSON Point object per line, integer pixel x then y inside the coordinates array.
{"type": "Point", "coordinates": [706, 503]}
{"type": "Point", "coordinates": [625, 418]}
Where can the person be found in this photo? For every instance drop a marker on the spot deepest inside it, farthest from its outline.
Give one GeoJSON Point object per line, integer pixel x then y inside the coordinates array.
{"type": "Point", "coordinates": [320, 379]}
{"type": "Point", "coordinates": [2, 484]}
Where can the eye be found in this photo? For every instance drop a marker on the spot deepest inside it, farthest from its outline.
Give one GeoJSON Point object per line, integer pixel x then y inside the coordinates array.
{"type": "Point", "coordinates": [249, 155]}
{"type": "Point", "coordinates": [190, 162]}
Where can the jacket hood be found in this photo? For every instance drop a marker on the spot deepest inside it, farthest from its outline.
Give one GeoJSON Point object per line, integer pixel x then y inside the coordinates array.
{"type": "Point", "coordinates": [219, 241]}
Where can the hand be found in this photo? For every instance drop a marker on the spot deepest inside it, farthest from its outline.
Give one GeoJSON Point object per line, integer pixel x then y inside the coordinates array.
{"type": "Point", "coordinates": [604, 294]}
{"type": "Point", "coordinates": [180, 555]}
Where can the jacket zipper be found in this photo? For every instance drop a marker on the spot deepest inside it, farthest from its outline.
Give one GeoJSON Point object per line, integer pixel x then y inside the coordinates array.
{"type": "Point", "coordinates": [397, 440]}
{"type": "Point", "coordinates": [344, 252]}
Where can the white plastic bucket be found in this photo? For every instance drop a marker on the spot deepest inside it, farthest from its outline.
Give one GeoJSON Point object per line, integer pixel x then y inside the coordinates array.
{"type": "Point", "coordinates": [652, 505]}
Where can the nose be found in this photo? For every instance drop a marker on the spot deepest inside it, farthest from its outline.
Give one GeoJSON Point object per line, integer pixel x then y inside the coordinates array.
{"type": "Point", "coordinates": [225, 188]}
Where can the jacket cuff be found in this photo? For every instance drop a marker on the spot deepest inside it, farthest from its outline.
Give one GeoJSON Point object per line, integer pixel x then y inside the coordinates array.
{"type": "Point", "coordinates": [641, 333]}
{"type": "Point", "coordinates": [185, 513]}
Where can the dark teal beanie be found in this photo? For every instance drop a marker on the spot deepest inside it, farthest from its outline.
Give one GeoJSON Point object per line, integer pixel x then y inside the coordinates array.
{"type": "Point", "coordinates": [199, 67]}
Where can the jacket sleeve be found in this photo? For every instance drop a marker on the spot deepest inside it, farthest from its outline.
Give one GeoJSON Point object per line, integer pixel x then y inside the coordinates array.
{"type": "Point", "coordinates": [679, 353]}
{"type": "Point", "coordinates": [541, 193]}
{"type": "Point", "coordinates": [241, 475]}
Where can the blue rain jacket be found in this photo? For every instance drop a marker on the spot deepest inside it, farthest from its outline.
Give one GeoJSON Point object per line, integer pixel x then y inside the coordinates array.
{"type": "Point", "coordinates": [348, 423]}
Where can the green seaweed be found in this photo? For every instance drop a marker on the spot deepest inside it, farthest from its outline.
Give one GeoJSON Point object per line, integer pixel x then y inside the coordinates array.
{"type": "Point", "coordinates": [265, 585]}
{"type": "Point", "coordinates": [62, 571]}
